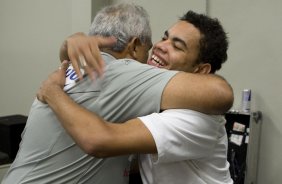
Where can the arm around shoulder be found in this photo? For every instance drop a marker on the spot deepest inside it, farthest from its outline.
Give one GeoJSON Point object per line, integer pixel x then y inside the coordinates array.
{"type": "Point", "coordinates": [207, 93]}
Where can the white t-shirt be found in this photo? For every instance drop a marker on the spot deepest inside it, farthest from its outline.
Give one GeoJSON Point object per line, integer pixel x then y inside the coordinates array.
{"type": "Point", "coordinates": [192, 148]}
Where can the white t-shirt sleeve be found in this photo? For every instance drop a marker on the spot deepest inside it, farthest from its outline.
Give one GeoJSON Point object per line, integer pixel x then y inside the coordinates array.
{"type": "Point", "coordinates": [182, 134]}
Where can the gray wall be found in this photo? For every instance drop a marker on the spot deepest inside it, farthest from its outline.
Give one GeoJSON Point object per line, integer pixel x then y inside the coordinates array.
{"type": "Point", "coordinates": [255, 29]}
{"type": "Point", "coordinates": [32, 31]}
{"type": "Point", "coordinates": [31, 34]}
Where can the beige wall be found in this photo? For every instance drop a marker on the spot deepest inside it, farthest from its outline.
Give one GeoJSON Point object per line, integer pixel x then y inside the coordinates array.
{"type": "Point", "coordinates": [32, 31]}
{"type": "Point", "coordinates": [255, 62]}
{"type": "Point", "coordinates": [31, 34]}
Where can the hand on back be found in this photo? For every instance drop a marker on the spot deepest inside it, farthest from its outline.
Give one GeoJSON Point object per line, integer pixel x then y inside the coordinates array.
{"type": "Point", "coordinates": [84, 52]}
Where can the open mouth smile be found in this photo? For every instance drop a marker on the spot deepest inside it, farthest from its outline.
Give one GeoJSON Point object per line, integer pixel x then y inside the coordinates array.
{"type": "Point", "coordinates": [156, 61]}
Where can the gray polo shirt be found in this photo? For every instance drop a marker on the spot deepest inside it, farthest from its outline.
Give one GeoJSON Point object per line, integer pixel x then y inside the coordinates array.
{"type": "Point", "coordinates": [48, 154]}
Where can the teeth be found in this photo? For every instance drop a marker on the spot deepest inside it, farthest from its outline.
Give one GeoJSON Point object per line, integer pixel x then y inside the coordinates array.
{"type": "Point", "coordinates": [157, 60]}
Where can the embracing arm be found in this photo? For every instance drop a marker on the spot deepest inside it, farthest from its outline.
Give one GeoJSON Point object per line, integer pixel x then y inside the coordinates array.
{"type": "Point", "coordinates": [207, 93]}
{"type": "Point", "coordinates": [99, 138]}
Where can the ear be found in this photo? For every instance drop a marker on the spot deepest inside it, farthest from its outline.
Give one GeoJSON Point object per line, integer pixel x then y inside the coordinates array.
{"type": "Point", "coordinates": [203, 68]}
{"type": "Point", "coordinates": [133, 46]}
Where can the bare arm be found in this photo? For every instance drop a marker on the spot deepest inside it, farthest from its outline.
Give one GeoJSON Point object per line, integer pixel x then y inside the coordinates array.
{"type": "Point", "coordinates": [103, 139]}
{"type": "Point", "coordinates": [207, 93]}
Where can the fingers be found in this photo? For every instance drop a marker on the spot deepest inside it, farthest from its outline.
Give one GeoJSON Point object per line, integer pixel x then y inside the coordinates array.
{"type": "Point", "coordinates": [82, 61]}
{"type": "Point", "coordinates": [73, 53]}
{"type": "Point", "coordinates": [90, 53]}
{"type": "Point", "coordinates": [89, 64]}
{"type": "Point", "coordinates": [88, 69]}
{"type": "Point", "coordinates": [84, 52]}
{"type": "Point", "coordinates": [96, 43]}
{"type": "Point", "coordinates": [96, 59]}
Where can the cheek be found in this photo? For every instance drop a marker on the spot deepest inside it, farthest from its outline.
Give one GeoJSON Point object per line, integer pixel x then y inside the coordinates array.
{"type": "Point", "coordinates": [181, 63]}
{"type": "Point", "coordinates": [177, 61]}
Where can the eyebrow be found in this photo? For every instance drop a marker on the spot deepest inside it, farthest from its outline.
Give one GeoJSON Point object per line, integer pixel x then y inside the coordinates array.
{"type": "Point", "coordinates": [176, 39]}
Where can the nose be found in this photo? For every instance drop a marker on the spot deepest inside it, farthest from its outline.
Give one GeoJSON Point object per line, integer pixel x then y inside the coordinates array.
{"type": "Point", "coordinates": [162, 46]}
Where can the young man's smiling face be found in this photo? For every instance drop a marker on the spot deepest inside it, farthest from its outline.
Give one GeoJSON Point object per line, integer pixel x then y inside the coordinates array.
{"type": "Point", "coordinates": [178, 49]}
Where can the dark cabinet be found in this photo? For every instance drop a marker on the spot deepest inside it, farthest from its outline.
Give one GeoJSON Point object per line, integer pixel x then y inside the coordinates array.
{"type": "Point", "coordinates": [243, 131]}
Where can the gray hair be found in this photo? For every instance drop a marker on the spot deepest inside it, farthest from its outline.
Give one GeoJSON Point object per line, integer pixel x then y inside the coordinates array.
{"type": "Point", "coordinates": [123, 21]}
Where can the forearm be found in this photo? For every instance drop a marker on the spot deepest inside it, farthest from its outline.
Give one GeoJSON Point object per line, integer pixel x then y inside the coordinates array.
{"type": "Point", "coordinates": [205, 93]}
{"type": "Point", "coordinates": [95, 136]}
{"type": "Point", "coordinates": [82, 125]}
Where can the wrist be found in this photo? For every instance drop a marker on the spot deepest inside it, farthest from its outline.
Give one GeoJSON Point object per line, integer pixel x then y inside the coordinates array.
{"type": "Point", "coordinates": [53, 93]}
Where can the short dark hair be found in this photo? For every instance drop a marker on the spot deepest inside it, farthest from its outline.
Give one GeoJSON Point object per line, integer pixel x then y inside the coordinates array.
{"type": "Point", "coordinates": [213, 42]}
